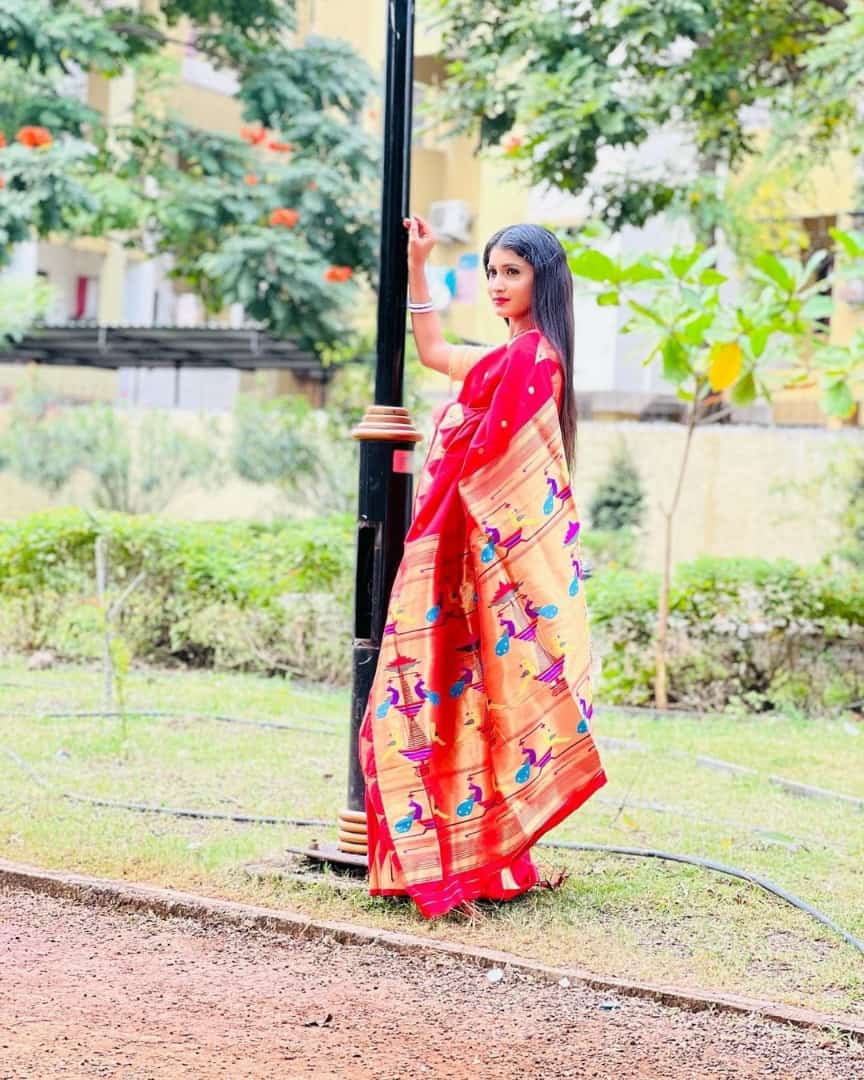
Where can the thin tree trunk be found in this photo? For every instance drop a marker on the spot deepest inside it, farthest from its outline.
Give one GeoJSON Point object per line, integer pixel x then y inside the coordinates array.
{"type": "Point", "coordinates": [102, 594]}
{"type": "Point", "coordinates": [661, 692]}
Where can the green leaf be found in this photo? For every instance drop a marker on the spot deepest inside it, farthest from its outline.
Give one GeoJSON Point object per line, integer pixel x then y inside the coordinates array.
{"type": "Point", "coordinates": [818, 307]}
{"type": "Point", "coordinates": [758, 338]}
{"type": "Point", "coordinates": [639, 272]}
{"type": "Point", "coordinates": [712, 277]}
{"type": "Point", "coordinates": [683, 261]}
{"type": "Point", "coordinates": [647, 312]}
{"type": "Point", "coordinates": [744, 391]}
{"type": "Point", "coordinates": [676, 367]}
{"type": "Point", "coordinates": [609, 299]}
{"type": "Point", "coordinates": [837, 400]}
{"type": "Point", "coordinates": [851, 242]}
{"type": "Point", "coordinates": [694, 331]}
{"type": "Point", "coordinates": [595, 266]}
{"type": "Point", "coordinates": [774, 269]}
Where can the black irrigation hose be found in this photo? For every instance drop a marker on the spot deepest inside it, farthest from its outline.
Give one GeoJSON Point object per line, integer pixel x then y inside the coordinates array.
{"type": "Point", "coordinates": [721, 868]}
{"type": "Point", "coordinates": [793, 787]}
{"type": "Point", "coordinates": [660, 714]}
{"type": "Point", "coordinates": [272, 724]}
{"type": "Point", "coordinates": [566, 845]}
{"type": "Point", "coordinates": [143, 808]}
{"type": "Point", "coordinates": [766, 835]}
{"type": "Point", "coordinates": [210, 815]}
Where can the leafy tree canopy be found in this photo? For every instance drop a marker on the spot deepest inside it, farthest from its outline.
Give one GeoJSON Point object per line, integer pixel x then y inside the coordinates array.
{"type": "Point", "coordinates": [555, 87]}
{"type": "Point", "coordinates": [279, 216]}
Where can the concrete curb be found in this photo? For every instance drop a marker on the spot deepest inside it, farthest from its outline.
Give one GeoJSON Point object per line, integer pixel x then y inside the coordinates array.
{"type": "Point", "coordinates": [208, 911]}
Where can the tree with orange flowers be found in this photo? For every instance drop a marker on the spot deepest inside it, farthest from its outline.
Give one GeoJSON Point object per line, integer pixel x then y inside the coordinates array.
{"type": "Point", "coordinates": [263, 217]}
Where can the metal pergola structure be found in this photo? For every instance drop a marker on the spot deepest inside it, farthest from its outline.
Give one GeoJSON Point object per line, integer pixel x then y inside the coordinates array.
{"type": "Point", "coordinates": [114, 346]}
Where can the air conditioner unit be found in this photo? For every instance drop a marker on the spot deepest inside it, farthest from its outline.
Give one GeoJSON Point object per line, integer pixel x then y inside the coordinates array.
{"type": "Point", "coordinates": [451, 221]}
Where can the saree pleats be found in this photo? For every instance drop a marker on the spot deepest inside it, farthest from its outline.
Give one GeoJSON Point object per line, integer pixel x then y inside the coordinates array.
{"type": "Point", "coordinates": [477, 739]}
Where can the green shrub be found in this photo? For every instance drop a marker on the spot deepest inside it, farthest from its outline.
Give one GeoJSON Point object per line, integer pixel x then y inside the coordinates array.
{"type": "Point", "coordinates": [214, 594]}
{"type": "Point", "coordinates": [134, 465]}
{"type": "Point", "coordinates": [619, 501]}
{"type": "Point", "coordinates": [763, 634]}
{"type": "Point", "coordinates": [610, 549]}
{"type": "Point", "coordinates": [305, 452]}
{"type": "Point", "coordinates": [277, 597]}
{"type": "Point", "coordinates": [849, 471]}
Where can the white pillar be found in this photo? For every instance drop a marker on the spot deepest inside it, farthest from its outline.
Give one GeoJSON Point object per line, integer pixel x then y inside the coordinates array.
{"type": "Point", "coordinates": [25, 259]}
{"type": "Point", "coordinates": [139, 292]}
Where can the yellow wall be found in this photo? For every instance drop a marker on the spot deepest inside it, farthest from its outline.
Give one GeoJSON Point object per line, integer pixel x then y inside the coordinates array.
{"type": "Point", "coordinates": [359, 22]}
{"type": "Point", "coordinates": [206, 109]}
{"type": "Point", "coordinates": [71, 383]}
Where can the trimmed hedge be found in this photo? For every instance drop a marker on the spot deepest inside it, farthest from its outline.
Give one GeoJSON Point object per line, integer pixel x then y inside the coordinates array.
{"type": "Point", "coordinates": [274, 597]}
{"type": "Point", "coordinates": [234, 594]}
{"type": "Point", "coordinates": [743, 632]}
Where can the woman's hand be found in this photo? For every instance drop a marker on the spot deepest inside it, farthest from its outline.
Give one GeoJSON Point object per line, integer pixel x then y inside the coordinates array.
{"type": "Point", "coordinates": [421, 240]}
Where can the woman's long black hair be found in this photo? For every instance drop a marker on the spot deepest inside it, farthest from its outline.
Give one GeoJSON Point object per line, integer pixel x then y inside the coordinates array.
{"type": "Point", "coordinates": [551, 305]}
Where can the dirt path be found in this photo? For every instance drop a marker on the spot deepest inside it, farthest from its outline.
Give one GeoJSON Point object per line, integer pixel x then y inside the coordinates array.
{"type": "Point", "coordinates": [92, 993]}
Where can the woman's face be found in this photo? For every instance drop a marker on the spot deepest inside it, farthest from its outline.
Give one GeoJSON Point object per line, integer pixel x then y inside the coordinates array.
{"type": "Point", "coordinates": [510, 281]}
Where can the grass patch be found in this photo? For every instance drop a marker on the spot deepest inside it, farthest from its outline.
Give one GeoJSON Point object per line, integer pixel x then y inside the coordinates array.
{"type": "Point", "coordinates": [631, 917]}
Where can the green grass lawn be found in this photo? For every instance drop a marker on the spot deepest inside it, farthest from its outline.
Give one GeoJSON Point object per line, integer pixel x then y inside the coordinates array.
{"type": "Point", "coordinates": [626, 916]}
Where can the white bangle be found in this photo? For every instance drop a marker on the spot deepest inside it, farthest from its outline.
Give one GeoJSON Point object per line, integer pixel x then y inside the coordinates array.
{"type": "Point", "coordinates": [416, 309]}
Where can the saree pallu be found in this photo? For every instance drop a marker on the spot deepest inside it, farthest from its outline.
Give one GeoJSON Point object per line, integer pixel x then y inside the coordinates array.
{"type": "Point", "coordinates": [477, 736]}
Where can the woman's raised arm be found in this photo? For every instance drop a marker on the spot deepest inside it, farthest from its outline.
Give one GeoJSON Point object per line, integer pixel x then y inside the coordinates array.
{"type": "Point", "coordinates": [434, 350]}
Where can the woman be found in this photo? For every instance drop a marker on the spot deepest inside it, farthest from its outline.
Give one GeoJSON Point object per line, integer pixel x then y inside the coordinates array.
{"type": "Point", "coordinates": [477, 736]}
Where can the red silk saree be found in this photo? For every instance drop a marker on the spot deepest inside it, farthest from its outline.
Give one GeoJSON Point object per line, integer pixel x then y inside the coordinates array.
{"type": "Point", "coordinates": [477, 737]}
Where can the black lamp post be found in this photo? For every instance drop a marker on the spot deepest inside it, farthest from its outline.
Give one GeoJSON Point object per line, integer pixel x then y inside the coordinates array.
{"type": "Point", "coordinates": [387, 434]}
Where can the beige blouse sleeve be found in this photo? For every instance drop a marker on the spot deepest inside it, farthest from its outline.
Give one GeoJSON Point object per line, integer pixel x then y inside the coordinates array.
{"type": "Point", "coordinates": [463, 358]}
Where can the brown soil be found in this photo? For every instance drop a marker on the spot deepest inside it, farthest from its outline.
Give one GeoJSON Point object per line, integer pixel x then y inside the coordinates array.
{"type": "Point", "coordinates": [93, 993]}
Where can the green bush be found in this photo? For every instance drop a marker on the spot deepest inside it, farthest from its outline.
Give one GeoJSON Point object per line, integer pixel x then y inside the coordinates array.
{"type": "Point", "coordinates": [277, 597]}
{"type": "Point", "coordinates": [742, 632]}
{"type": "Point", "coordinates": [134, 465]}
{"type": "Point", "coordinates": [221, 594]}
{"type": "Point", "coordinates": [619, 501]}
{"type": "Point", "coordinates": [610, 549]}
{"type": "Point", "coordinates": [849, 471]}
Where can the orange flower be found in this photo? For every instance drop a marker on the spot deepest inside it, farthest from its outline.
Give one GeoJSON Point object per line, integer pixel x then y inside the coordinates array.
{"type": "Point", "coordinates": [2, 140]}
{"type": "Point", "coordinates": [250, 179]}
{"type": "Point", "coordinates": [511, 144]}
{"type": "Point", "coordinates": [2, 182]}
{"type": "Point", "coordinates": [33, 136]}
{"type": "Point", "coordinates": [338, 273]}
{"type": "Point", "coordinates": [284, 216]}
{"type": "Point", "coordinates": [254, 134]}
{"type": "Point", "coordinates": [280, 147]}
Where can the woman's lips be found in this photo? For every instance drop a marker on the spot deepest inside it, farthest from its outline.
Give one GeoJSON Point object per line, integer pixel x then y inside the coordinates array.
{"type": "Point", "coordinates": [499, 300]}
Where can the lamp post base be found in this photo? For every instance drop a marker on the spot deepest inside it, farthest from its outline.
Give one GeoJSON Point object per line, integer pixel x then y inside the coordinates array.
{"type": "Point", "coordinates": [330, 855]}
{"type": "Point", "coordinates": [353, 838]}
